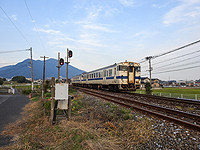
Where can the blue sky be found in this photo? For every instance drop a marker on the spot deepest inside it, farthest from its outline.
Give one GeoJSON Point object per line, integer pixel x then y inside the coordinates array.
{"type": "Point", "coordinates": [102, 32]}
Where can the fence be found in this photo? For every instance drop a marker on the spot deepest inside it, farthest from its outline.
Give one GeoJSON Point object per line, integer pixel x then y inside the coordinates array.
{"type": "Point", "coordinates": [174, 95]}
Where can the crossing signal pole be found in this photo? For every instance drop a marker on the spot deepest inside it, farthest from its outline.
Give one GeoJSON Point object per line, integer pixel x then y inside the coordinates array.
{"type": "Point", "coordinates": [58, 66]}
{"type": "Point", "coordinates": [69, 55]}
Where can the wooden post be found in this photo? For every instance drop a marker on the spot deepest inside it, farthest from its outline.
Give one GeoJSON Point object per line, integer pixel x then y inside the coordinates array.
{"type": "Point", "coordinates": [69, 107]}
{"type": "Point", "coordinates": [52, 99]}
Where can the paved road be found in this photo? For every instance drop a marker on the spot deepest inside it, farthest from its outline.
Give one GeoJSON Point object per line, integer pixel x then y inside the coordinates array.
{"type": "Point", "coordinates": [10, 110]}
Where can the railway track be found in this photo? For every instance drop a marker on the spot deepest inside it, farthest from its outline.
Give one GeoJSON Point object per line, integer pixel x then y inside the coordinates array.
{"type": "Point", "coordinates": [186, 119]}
{"type": "Point", "coordinates": [185, 101]}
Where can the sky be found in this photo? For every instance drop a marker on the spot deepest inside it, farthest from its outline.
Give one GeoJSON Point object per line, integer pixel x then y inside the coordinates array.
{"type": "Point", "coordinates": [104, 32]}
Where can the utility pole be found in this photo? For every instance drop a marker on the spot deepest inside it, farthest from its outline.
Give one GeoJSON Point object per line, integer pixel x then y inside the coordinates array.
{"type": "Point", "coordinates": [31, 52]}
{"type": "Point", "coordinates": [43, 76]}
{"type": "Point", "coordinates": [150, 68]}
{"type": "Point", "coordinates": [58, 66]}
{"type": "Point", "coordinates": [67, 66]}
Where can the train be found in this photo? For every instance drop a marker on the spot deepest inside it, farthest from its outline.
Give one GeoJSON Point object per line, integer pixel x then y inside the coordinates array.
{"type": "Point", "coordinates": [123, 76]}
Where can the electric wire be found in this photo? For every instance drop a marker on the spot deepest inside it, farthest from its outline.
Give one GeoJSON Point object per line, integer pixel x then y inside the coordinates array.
{"type": "Point", "coordinates": [35, 26]}
{"type": "Point", "coordinates": [165, 53]}
{"type": "Point", "coordinates": [15, 26]}
{"type": "Point", "coordinates": [183, 65]}
{"type": "Point", "coordinates": [173, 59]}
{"type": "Point", "coordinates": [177, 49]}
{"type": "Point", "coordinates": [14, 51]}
{"type": "Point", "coordinates": [176, 57]}
{"type": "Point", "coordinates": [178, 62]}
{"type": "Point", "coordinates": [176, 70]}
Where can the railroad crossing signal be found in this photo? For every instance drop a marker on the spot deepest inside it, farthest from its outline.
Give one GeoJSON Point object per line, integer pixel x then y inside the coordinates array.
{"type": "Point", "coordinates": [61, 61]}
{"type": "Point", "coordinates": [70, 54]}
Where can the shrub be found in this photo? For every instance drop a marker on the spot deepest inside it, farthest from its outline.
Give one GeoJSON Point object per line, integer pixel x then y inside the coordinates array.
{"type": "Point", "coordinates": [148, 88]}
{"type": "Point", "coordinates": [27, 91]}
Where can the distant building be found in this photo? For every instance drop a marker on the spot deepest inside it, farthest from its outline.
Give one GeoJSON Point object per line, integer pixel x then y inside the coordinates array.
{"type": "Point", "coordinates": [197, 84]}
{"type": "Point", "coordinates": [154, 82]}
{"type": "Point", "coordinates": [144, 80]}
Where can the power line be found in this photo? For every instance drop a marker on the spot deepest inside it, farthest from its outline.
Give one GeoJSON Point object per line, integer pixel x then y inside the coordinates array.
{"type": "Point", "coordinates": [177, 57]}
{"type": "Point", "coordinates": [15, 26]}
{"type": "Point", "coordinates": [34, 25]}
{"type": "Point", "coordinates": [153, 57]}
{"type": "Point", "coordinates": [177, 69]}
{"type": "Point", "coordinates": [14, 51]}
{"type": "Point", "coordinates": [178, 62]}
{"type": "Point", "coordinates": [177, 49]}
{"type": "Point", "coordinates": [183, 65]}
{"type": "Point", "coordinates": [9, 63]}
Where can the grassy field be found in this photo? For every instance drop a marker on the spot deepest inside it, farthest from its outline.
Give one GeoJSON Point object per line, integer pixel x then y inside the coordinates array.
{"type": "Point", "coordinates": [188, 93]}
{"type": "Point", "coordinates": [176, 90]}
{"type": "Point", "coordinates": [179, 90]}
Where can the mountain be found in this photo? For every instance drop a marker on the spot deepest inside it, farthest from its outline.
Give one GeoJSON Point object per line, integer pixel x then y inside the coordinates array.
{"type": "Point", "coordinates": [23, 69]}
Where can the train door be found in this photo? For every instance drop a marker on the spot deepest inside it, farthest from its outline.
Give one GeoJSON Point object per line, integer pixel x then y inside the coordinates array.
{"type": "Point", "coordinates": [131, 74]}
{"type": "Point", "coordinates": [115, 80]}
{"type": "Point", "coordinates": [104, 76]}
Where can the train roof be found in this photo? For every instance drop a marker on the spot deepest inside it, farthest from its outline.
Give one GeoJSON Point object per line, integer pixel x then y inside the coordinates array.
{"type": "Point", "coordinates": [103, 68]}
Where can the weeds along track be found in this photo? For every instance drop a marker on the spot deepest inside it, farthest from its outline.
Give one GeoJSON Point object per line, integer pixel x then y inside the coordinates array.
{"type": "Point", "coordinates": [183, 118]}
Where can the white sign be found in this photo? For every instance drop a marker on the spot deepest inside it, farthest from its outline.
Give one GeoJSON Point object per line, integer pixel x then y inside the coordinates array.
{"type": "Point", "coordinates": [61, 91]}
{"type": "Point", "coordinates": [61, 94]}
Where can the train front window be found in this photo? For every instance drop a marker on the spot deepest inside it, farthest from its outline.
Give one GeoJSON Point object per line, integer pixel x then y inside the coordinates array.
{"type": "Point", "coordinates": [130, 69]}
{"type": "Point", "coordinates": [123, 68]}
{"type": "Point", "coordinates": [137, 69]}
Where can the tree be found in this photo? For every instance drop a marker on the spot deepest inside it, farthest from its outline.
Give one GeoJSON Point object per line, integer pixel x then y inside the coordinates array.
{"type": "Point", "coordinates": [148, 88]}
{"type": "Point", "coordinates": [20, 79]}
{"type": "Point", "coordinates": [47, 85]}
{"type": "Point", "coordinates": [1, 81]}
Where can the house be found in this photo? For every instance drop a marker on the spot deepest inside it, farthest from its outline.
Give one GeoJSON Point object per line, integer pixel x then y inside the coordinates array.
{"type": "Point", "coordinates": [197, 84]}
{"type": "Point", "coordinates": [154, 82]}
{"type": "Point", "coordinates": [144, 80]}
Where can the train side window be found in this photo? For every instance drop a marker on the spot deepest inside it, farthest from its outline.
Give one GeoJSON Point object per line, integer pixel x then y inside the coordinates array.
{"type": "Point", "coordinates": [104, 73]}
{"type": "Point", "coordinates": [99, 74]}
{"type": "Point", "coordinates": [94, 75]}
{"type": "Point", "coordinates": [90, 76]}
{"type": "Point", "coordinates": [114, 71]}
{"type": "Point", "coordinates": [110, 72]}
{"type": "Point", "coordinates": [107, 73]}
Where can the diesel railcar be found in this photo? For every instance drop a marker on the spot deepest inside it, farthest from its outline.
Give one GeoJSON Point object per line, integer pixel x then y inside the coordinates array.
{"type": "Point", "coordinates": [124, 76]}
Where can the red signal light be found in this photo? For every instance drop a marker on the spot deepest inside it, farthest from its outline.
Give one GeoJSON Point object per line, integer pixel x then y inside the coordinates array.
{"type": "Point", "coordinates": [61, 61]}
{"type": "Point", "coordinates": [70, 53]}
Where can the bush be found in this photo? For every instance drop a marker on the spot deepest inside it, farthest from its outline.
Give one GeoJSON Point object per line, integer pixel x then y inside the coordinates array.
{"type": "Point", "coordinates": [47, 94]}
{"type": "Point", "coordinates": [1, 81]}
{"type": "Point", "coordinates": [27, 91]}
{"type": "Point", "coordinates": [148, 88]}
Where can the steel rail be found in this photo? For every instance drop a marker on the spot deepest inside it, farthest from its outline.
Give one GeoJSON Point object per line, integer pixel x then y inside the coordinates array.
{"type": "Point", "coordinates": [186, 101]}
{"type": "Point", "coordinates": [169, 118]}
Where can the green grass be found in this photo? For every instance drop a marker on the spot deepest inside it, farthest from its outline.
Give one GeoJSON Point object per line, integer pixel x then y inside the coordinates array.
{"type": "Point", "coordinates": [188, 93]}
{"type": "Point", "coordinates": [179, 90]}
{"type": "Point", "coordinates": [175, 90]}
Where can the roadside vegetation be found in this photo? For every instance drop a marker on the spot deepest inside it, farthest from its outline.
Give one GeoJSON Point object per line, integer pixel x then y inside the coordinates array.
{"type": "Point", "coordinates": [95, 124]}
